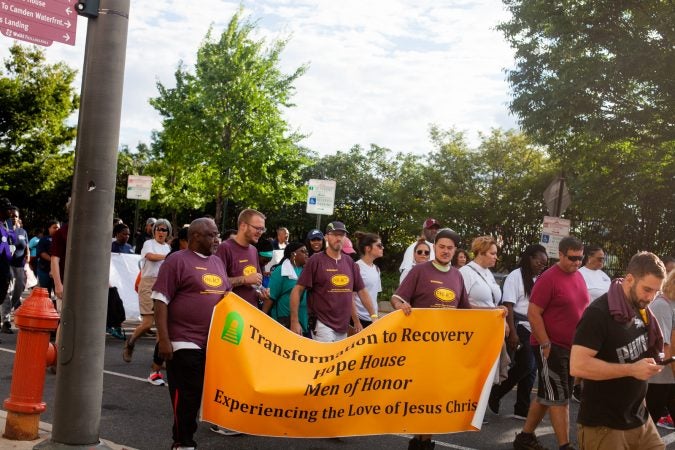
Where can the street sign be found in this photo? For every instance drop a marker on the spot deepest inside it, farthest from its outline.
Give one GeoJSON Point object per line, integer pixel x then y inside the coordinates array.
{"type": "Point", "coordinates": [39, 21]}
{"type": "Point", "coordinates": [554, 229]}
{"type": "Point", "coordinates": [552, 196]}
{"type": "Point", "coordinates": [321, 197]}
{"type": "Point", "coordinates": [138, 187]}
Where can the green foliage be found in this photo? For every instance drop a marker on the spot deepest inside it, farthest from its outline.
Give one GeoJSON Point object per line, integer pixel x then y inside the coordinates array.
{"type": "Point", "coordinates": [223, 134]}
{"type": "Point", "coordinates": [36, 100]}
{"type": "Point", "coordinates": [601, 69]}
{"type": "Point", "coordinates": [594, 84]}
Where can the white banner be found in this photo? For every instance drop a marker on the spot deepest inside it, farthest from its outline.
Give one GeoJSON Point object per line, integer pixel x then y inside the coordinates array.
{"type": "Point", "coordinates": [124, 269]}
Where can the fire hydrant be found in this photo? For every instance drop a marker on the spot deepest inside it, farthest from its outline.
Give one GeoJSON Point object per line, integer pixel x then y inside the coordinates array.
{"type": "Point", "coordinates": [35, 318]}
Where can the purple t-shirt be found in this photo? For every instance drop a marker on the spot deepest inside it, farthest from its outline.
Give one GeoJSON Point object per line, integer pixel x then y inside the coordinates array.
{"type": "Point", "coordinates": [331, 284]}
{"type": "Point", "coordinates": [193, 285]}
{"type": "Point", "coordinates": [563, 296]}
{"type": "Point", "coordinates": [240, 261]}
{"type": "Point", "coordinates": [427, 287]}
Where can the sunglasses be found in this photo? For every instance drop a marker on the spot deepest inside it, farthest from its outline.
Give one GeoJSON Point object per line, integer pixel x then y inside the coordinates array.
{"type": "Point", "coordinates": [574, 258]}
{"type": "Point", "coordinates": [163, 230]}
{"type": "Point", "coordinates": [379, 244]}
{"type": "Point", "coordinates": [423, 252]}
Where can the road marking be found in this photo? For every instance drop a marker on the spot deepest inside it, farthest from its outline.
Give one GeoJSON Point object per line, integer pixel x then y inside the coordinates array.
{"type": "Point", "coordinates": [668, 438]}
{"type": "Point", "coordinates": [124, 375]}
{"type": "Point", "coordinates": [117, 374]}
{"type": "Point", "coordinates": [440, 443]}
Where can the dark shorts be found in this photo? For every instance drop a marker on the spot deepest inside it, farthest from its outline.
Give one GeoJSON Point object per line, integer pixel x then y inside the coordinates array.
{"type": "Point", "coordinates": [553, 375]}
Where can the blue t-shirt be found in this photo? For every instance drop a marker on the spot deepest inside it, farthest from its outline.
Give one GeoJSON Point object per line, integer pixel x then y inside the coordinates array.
{"type": "Point", "coordinates": [121, 248]}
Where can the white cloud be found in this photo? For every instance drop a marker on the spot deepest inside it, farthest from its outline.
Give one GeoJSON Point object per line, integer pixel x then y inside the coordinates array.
{"type": "Point", "coordinates": [380, 71]}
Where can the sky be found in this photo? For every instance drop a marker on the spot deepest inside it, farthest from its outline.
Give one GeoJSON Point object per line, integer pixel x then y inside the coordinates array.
{"type": "Point", "coordinates": [380, 71]}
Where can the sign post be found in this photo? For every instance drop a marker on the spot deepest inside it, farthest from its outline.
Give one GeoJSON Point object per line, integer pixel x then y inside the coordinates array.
{"type": "Point", "coordinates": [138, 188]}
{"type": "Point", "coordinates": [321, 198]}
{"type": "Point", "coordinates": [554, 229]}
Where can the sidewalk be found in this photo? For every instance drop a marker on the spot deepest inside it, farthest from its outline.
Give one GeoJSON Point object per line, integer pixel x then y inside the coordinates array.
{"type": "Point", "coordinates": [45, 433]}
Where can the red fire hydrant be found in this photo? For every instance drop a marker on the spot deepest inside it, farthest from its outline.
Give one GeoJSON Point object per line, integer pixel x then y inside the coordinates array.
{"type": "Point", "coordinates": [35, 318]}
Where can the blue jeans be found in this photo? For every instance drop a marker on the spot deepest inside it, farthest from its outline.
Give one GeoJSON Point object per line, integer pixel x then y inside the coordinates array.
{"type": "Point", "coordinates": [522, 373]}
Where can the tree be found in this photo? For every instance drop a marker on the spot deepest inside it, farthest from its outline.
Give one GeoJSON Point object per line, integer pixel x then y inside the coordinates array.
{"type": "Point", "coordinates": [598, 69]}
{"type": "Point", "coordinates": [223, 123]}
{"type": "Point", "coordinates": [594, 84]}
{"type": "Point", "coordinates": [36, 98]}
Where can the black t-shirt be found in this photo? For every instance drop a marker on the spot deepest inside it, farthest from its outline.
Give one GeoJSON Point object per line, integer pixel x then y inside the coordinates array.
{"type": "Point", "coordinates": [618, 403]}
{"type": "Point", "coordinates": [44, 245]}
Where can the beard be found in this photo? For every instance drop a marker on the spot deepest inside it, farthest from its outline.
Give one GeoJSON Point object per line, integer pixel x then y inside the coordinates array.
{"type": "Point", "coordinates": [641, 304]}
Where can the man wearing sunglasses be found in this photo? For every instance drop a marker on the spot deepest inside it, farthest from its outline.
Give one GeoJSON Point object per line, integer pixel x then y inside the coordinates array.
{"type": "Point", "coordinates": [559, 298]}
{"type": "Point", "coordinates": [241, 257]}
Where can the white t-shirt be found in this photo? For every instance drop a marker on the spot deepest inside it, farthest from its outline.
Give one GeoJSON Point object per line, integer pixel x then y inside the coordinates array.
{"type": "Point", "coordinates": [483, 290]}
{"type": "Point", "coordinates": [151, 268]}
{"type": "Point", "coordinates": [409, 256]}
{"type": "Point", "coordinates": [597, 281]}
{"type": "Point", "coordinates": [373, 283]}
{"type": "Point", "coordinates": [514, 292]}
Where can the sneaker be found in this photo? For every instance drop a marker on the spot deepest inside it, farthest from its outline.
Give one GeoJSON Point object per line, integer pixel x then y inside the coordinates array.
{"type": "Point", "coordinates": [666, 422]}
{"type": "Point", "coordinates": [527, 441]}
{"type": "Point", "coordinates": [118, 332]}
{"type": "Point", "coordinates": [7, 328]}
{"type": "Point", "coordinates": [128, 351]}
{"type": "Point", "coordinates": [224, 431]}
{"type": "Point", "coordinates": [156, 378]}
{"type": "Point", "coordinates": [518, 416]}
{"type": "Point", "coordinates": [576, 393]}
{"type": "Point", "coordinates": [181, 447]}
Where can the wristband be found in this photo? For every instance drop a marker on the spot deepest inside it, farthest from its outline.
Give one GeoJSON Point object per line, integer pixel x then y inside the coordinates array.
{"type": "Point", "coordinates": [545, 345]}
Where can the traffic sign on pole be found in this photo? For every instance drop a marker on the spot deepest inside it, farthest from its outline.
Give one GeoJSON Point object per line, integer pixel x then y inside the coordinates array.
{"type": "Point", "coordinates": [321, 197]}
{"type": "Point", "coordinates": [139, 187]}
{"type": "Point", "coordinates": [39, 21]}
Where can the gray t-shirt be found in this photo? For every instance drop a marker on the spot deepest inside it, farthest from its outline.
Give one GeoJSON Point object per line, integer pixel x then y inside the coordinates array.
{"type": "Point", "coordinates": [664, 311]}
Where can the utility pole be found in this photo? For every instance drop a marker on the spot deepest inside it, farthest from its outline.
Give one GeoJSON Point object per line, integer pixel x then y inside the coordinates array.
{"type": "Point", "coordinates": [81, 343]}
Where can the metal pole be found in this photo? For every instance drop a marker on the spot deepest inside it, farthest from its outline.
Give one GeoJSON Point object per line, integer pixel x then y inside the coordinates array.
{"type": "Point", "coordinates": [136, 224]}
{"type": "Point", "coordinates": [81, 347]}
{"type": "Point", "coordinates": [558, 201]}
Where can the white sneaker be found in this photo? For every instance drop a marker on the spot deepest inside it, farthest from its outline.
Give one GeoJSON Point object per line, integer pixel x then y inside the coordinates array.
{"type": "Point", "coordinates": [156, 378]}
{"type": "Point", "coordinates": [224, 431]}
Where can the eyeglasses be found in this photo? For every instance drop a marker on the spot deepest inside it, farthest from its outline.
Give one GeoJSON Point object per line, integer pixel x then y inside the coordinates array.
{"type": "Point", "coordinates": [258, 229]}
{"type": "Point", "coordinates": [574, 258]}
{"type": "Point", "coordinates": [163, 230]}
{"type": "Point", "coordinates": [423, 252]}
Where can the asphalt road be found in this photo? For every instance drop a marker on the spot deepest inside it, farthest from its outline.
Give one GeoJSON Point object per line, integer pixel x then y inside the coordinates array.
{"type": "Point", "coordinates": [138, 415]}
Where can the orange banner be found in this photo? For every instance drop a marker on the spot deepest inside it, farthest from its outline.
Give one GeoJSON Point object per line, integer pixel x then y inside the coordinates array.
{"type": "Point", "coordinates": [427, 373]}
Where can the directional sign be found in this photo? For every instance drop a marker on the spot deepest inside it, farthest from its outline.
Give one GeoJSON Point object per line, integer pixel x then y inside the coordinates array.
{"type": "Point", "coordinates": [39, 21]}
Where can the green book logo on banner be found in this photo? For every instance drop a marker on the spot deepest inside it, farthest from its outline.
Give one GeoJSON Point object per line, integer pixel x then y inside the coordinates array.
{"type": "Point", "coordinates": [233, 329]}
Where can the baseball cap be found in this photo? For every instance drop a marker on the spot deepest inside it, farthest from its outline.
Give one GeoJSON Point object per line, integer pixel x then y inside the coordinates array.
{"type": "Point", "coordinates": [347, 246]}
{"type": "Point", "coordinates": [431, 223]}
{"type": "Point", "coordinates": [314, 234]}
{"type": "Point", "coordinates": [336, 226]}
{"type": "Point", "coordinates": [448, 233]}
{"type": "Point", "coordinates": [151, 221]}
